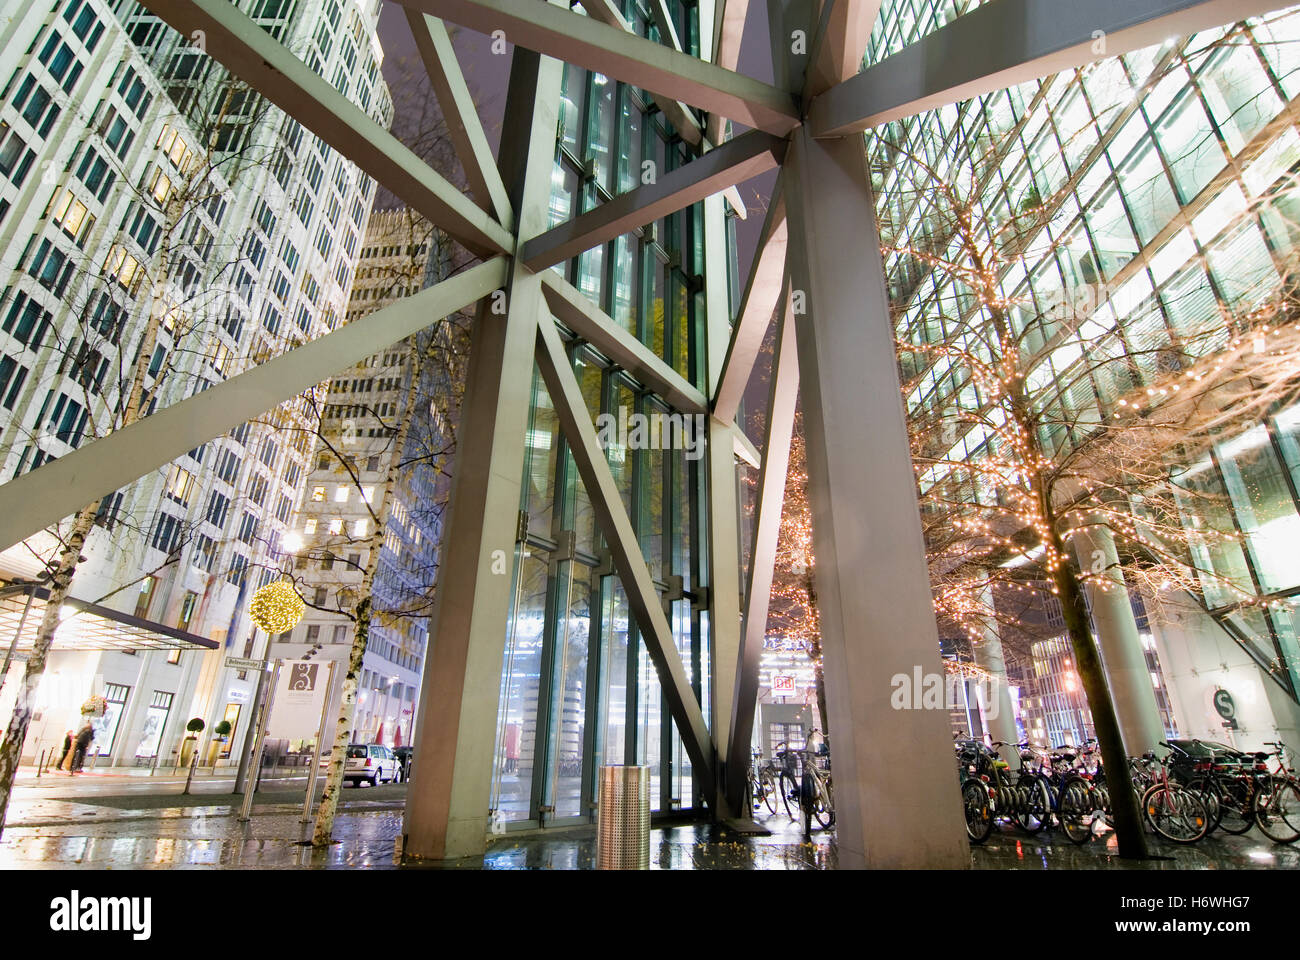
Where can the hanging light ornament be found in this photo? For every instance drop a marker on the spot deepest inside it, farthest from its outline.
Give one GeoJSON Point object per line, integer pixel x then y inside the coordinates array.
{"type": "Point", "coordinates": [276, 607]}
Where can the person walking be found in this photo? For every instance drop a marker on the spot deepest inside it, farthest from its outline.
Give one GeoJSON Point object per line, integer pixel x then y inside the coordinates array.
{"type": "Point", "coordinates": [84, 737]}
{"type": "Point", "coordinates": [65, 756]}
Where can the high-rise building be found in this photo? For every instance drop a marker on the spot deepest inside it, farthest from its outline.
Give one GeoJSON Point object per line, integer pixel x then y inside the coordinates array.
{"type": "Point", "coordinates": [355, 460]}
{"type": "Point", "coordinates": [1167, 194]}
{"type": "Point", "coordinates": [140, 183]}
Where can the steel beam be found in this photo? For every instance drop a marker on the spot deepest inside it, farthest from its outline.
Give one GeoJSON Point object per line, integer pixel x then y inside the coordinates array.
{"type": "Point", "coordinates": [839, 49]}
{"type": "Point", "coordinates": [592, 324]}
{"type": "Point", "coordinates": [463, 124]}
{"type": "Point", "coordinates": [728, 31]}
{"type": "Point", "coordinates": [586, 42]}
{"type": "Point", "coordinates": [61, 487]}
{"type": "Point", "coordinates": [1007, 42]}
{"type": "Point", "coordinates": [625, 551]}
{"type": "Point", "coordinates": [757, 305]}
{"type": "Point", "coordinates": [447, 806]}
{"type": "Point", "coordinates": [252, 54]}
{"type": "Point", "coordinates": [782, 398]}
{"type": "Point", "coordinates": [896, 798]}
{"type": "Point", "coordinates": [734, 162]}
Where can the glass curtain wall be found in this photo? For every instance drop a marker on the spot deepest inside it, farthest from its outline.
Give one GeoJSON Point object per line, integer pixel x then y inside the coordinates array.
{"type": "Point", "coordinates": [578, 689]}
{"type": "Point", "coordinates": [1172, 171]}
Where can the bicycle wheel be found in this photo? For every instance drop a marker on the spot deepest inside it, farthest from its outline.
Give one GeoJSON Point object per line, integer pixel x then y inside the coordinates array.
{"type": "Point", "coordinates": [1237, 806]}
{"type": "Point", "coordinates": [823, 808]}
{"type": "Point", "coordinates": [1277, 810]}
{"type": "Point", "coordinates": [769, 789]}
{"type": "Point", "coordinates": [1076, 812]}
{"type": "Point", "coordinates": [790, 795]}
{"type": "Point", "coordinates": [1176, 814]}
{"type": "Point", "coordinates": [1205, 788]}
{"type": "Point", "coordinates": [979, 810]}
{"type": "Point", "coordinates": [1036, 808]}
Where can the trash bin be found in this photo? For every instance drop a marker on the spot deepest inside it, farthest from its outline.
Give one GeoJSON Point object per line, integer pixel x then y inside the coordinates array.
{"type": "Point", "coordinates": [623, 819]}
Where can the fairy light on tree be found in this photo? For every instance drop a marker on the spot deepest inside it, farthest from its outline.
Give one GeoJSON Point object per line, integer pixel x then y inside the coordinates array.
{"type": "Point", "coordinates": [1039, 417]}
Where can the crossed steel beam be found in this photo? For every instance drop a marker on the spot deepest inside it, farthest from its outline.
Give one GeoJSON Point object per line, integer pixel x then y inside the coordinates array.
{"type": "Point", "coordinates": [1000, 43]}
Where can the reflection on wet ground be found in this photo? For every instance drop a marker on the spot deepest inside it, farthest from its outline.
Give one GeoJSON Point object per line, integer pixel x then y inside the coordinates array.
{"type": "Point", "coordinates": [131, 832]}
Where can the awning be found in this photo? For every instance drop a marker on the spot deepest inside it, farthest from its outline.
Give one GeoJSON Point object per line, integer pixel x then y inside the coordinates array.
{"type": "Point", "coordinates": [88, 626]}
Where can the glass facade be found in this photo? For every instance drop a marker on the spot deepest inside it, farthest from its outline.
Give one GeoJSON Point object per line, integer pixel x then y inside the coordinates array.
{"type": "Point", "coordinates": [1164, 184]}
{"type": "Point", "coordinates": [578, 689]}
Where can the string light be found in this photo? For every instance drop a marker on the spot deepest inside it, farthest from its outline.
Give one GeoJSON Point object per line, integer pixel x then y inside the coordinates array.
{"type": "Point", "coordinates": [276, 607]}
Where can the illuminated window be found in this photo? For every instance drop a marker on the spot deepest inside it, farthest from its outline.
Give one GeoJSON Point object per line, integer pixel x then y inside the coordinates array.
{"type": "Point", "coordinates": [336, 525]}
{"type": "Point", "coordinates": [318, 494]}
{"type": "Point", "coordinates": [309, 526]}
{"type": "Point", "coordinates": [341, 494]}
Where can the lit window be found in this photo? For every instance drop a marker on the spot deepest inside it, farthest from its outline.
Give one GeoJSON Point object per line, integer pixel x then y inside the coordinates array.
{"type": "Point", "coordinates": [336, 525]}
{"type": "Point", "coordinates": [341, 494]}
{"type": "Point", "coordinates": [367, 493]}
{"type": "Point", "coordinates": [318, 494]}
{"type": "Point", "coordinates": [309, 526]}
{"type": "Point", "coordinates": [359, 527]}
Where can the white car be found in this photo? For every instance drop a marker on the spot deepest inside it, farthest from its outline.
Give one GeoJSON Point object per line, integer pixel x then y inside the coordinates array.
{"type": "Point", "coordinates": [371, 762]}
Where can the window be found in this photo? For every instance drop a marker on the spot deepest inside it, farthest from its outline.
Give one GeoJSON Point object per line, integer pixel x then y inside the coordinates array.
{"type": "Point", "coordinates": [180, 483]}
{"type": "Point", "coordinates": [167, 533]}
{"type": "Point", "coordinates": [68, 212]}
{"type": "Point", "coordinates": [155, 719]}
{"type": "Point", "coordinates": [318, 494]}
{"type": "Point", "coordinates": [309, 526]}
{"type": "Point", "coordinates": [106, 726]}
{"type": "Point", "coordinates": [143, 597]}
{"type": "Point", "coordinates": [50, 267]}
{"type": "Point", "coordinates": [218, 508]}
{"type": "Point", "coordinates": [187, 609]}
{"type": "Point", "coordinates": [123, 268]}
{"type": "Point", "coordinates": [15, 157]}
{"type": "Point", "coordinates": [341, 493]}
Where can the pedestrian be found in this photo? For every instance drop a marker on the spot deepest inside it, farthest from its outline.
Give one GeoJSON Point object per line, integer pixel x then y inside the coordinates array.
{"type": "Point", "coordinates": [66, 755]}
{"type": "Point", "coordinates": [84, 736]}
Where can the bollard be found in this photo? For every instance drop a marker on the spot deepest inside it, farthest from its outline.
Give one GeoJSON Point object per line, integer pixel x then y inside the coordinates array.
{"type": "Point", "coordinates": [623, 819]}
{"type": "Point", "coordinates": [40, 764]}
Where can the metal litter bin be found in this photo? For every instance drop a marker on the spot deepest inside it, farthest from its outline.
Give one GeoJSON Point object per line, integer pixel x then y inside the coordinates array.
{"type": "Point", "coordinates": [623, 819]}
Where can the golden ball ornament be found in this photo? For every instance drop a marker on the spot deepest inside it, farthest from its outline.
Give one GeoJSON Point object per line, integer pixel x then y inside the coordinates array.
{"type": "Point", "coordinates": [276, 607]}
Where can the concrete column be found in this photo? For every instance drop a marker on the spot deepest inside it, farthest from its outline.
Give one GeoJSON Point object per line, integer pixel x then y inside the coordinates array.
{"type": "Point", "coordinates": [447, 803]}
{"type": "Point", "coordinates": [998, 711]}
{"type": "Point", "coordinates": [1122, 655]}
{"type": "Point", "coordinates": [896, 794]}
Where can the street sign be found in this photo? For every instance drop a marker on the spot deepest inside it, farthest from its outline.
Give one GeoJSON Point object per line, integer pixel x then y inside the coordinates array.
{"type": "Point", "coordinates": [240, 663]}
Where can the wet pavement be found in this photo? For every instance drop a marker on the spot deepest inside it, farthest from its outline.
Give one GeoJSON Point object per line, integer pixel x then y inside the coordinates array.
{"type": "Point", "coordinates": [123, 822]}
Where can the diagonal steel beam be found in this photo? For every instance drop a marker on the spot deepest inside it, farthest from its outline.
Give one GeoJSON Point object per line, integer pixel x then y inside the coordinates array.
{"type": "Point", "coordinates": [463, 124]}
{"type": "Point", "coordinates": [760, 300]}
{"type": "Point", "coordinates": [61, 487]}
{"type": "Point", "coordinates": [629, 563]}
{"type": "Point", "coordinates": [252, 54]}
{"type": "Point", "coordinates": [586, 42]}
{"type": "Point", "coordinates": [1008, 42]}
{"type": "Point", "coordinates": [729, 27]}
{"type": "Point", "coordinates": [782, 397]}
{"type": "Point", "coordinates": [839, 50]}
{"type": "Point", "coordinates": [734, 162]}
{"type": "Point", "coordinates": [576, 311]}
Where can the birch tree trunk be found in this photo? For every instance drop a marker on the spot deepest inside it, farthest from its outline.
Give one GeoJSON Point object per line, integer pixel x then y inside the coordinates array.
{"type": "Point", "coordinates": [361, 614]}
{"type": "Point", "coordinates": [16, 733]}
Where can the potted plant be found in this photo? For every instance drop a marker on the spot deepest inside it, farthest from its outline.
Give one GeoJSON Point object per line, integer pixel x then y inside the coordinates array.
{"type": "Point", "coordinates": [219, 734]}
{"type": "Point", "coordinates": [190, 758]}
